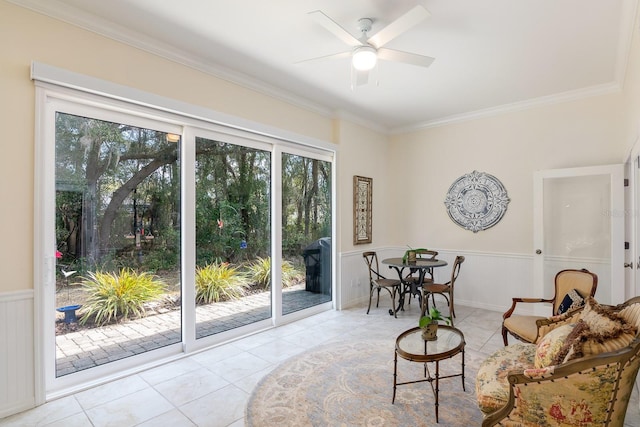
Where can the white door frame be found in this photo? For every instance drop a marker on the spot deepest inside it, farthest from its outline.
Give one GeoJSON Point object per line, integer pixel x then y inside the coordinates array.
{"type": "Point", "coordinates": [616, 213]}
{"type": "Point", "coordinates": [632, 166]}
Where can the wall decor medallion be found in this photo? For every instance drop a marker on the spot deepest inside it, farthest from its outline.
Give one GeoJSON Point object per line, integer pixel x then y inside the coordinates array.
{"type": "Point", "coordinates": [362, 203]}
{"type": "Point", "coordinates": [476, 201]}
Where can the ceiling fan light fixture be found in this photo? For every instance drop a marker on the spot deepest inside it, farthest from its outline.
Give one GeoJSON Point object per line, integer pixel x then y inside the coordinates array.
{"type": "Point", "coordinates": [364, 58]}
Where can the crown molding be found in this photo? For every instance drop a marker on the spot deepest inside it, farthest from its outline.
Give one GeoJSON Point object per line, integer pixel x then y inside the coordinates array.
{"type": "Point", "coordinates": [574, 95]}
{"type": "Point", "coordinates": [358, 120]}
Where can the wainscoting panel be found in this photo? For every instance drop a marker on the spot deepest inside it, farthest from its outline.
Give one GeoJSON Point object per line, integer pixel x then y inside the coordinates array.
{"type": "Point", "coordinates": [487, 280]}
{"type": "Point", "coordinates": [17, 391]}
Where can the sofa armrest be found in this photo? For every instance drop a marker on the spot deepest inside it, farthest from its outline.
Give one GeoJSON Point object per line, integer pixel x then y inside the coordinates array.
{"type": "Point", "coordinates": [595, 388]}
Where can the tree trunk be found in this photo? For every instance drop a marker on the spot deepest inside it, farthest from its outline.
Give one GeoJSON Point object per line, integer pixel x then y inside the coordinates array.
{"type": "Point", "coordinates": [121, 194]}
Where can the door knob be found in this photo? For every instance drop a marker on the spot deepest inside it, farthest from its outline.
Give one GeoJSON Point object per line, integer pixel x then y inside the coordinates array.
{"type": "Point", "coordinates": [628, 265]}
{"type": "Point", "coordinates": [538, 251]}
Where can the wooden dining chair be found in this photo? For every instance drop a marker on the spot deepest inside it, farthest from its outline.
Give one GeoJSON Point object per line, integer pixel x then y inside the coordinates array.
{"type": "Point", "coordinates": [414, 275]}
{"type": "Point", "coordinates": [377, 281]}
{"type": "Point", "coordinates": [444, 289]}
{"type": "Point", "coordinates": [428, 277]}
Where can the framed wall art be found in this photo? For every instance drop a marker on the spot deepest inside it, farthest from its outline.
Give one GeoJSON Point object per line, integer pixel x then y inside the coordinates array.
{"type": "Point", "coordinates": [362, 203]}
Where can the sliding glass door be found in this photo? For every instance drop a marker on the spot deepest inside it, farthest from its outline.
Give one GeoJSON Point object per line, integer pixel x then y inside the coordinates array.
{"type": "Point", "coordinates": [117, 241]}
{"type": "Point", "coordinates": [306, 232]}
{"type": "Point", "coordinates": [160, 237]}
{"type": "Point", "coordinates": [233, 236]}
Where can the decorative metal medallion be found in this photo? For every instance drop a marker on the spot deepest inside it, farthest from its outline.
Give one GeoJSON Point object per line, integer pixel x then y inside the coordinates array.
{"type": "Point", "coordinates": [476, 201]}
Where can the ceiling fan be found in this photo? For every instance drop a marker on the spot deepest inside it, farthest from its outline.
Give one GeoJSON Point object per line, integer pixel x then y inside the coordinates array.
{"type": "Point", "coordinates": [367, 50]}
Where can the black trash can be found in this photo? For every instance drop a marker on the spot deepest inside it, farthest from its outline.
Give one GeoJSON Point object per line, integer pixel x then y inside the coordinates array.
{"type": "Point", "coordinates": [317, 262]}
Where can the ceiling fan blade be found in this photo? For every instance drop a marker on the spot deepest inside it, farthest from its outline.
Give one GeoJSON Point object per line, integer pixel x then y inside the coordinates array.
{"type": "Point", "coordinates": [405, 57]}
{"type": "Point", "coordinates": [333, 27]}
{"type": "Point", "coordinates": [332, 56]}
{"type": "Point", "coordinates": [399, 26]}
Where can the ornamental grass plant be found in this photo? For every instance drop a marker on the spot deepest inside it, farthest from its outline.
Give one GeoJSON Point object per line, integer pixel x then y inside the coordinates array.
{"type": "Point", "coordinates": [118, 296]}
{"type": "Point", "coordinates": [219, 282]}
{"type": "Point", "coordinates": [260, 273]}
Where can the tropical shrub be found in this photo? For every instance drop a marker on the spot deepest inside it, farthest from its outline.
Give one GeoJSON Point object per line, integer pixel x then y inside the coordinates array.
{"type": "Point", "coordinates": [260, 273]}
{"type": "Point", "coordinates": [219, 282]}
{"type": "Point", "coordinates": [114, 296]}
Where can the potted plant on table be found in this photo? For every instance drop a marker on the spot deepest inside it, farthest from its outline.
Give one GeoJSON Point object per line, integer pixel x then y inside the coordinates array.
{"type": "Point", "coordinates": [429, 324]}
{"type": "Point", "coordinates": [410, 255]}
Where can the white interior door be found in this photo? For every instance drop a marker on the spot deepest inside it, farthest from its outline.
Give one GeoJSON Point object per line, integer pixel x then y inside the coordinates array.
{"type": "Point", "coordinates": [632, 223]}
{"type": "Point", "coordinates": [579, 223]}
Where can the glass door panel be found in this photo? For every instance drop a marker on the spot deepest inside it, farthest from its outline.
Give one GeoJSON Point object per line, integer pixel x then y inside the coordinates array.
{"type": "Point", "coordinates": [117, 230]}
{"type": "Point", "coordinates": [233, 236]}
{"type": "Point", "coordinates": [576, 232]}
{"type": "Point", "coordinates": [306, 232]}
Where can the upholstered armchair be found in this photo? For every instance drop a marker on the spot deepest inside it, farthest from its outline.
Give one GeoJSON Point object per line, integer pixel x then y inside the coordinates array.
{"type": "Point", "coordinates": [571, 288]}
{"type": "Point", "coordinates": [580, 373]}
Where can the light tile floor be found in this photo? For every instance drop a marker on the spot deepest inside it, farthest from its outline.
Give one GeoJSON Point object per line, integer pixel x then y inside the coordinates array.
{"type": "Point", "coordinates": [211, 388]}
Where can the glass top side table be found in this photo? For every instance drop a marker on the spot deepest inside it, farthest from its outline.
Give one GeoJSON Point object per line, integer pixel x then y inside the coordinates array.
{"type": "Point", "coordinates": [410, 346]}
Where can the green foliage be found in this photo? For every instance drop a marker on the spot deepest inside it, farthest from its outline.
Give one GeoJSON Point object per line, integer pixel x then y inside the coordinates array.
{"type": "Point", "coordinates": [161, 259]}
{"type": "Point", "coordinates": [218, 282]}
{"type": "Point", "coordinates": [290, 274]}
{"type": "Point", "coordinates": [434, 315]}
{"type": "Point", "coordinates": [260, 273]}
{"type": "Point", "coordinates": [306, 201]}
{"type": "Point", "coordinates": [405, 257]}
{"type": "Point", "coordinates": [232, 186]}
{"type": "Point", "coordinates": [114, 296]}
{"type": "Point", "coordinates": [114, 180]}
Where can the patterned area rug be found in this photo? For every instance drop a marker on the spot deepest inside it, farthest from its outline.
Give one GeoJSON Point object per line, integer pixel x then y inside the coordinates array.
{"type": "Point", "coordinates": [351, 384]}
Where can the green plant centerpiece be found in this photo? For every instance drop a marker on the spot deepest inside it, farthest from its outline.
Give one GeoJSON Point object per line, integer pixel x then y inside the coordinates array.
{"type": "Point", "coordinates": [410, 255]}
{"type": "Point", "coordinates": [429, 324]}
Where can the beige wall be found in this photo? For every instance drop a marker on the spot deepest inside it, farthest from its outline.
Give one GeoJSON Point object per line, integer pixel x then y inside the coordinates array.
{"type": "Point", "coordinates": [365, 154]}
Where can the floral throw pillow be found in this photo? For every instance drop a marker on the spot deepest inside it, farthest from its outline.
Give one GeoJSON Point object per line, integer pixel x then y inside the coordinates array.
{"type": "Point", "coordinates": [551, 344]}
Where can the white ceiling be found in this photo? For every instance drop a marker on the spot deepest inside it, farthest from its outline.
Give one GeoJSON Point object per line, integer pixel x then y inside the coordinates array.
{"type": "Point", "coordinates": [490, 55]}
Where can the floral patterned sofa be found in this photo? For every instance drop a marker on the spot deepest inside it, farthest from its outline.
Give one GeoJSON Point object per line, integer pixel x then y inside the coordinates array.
{"type": "Point", "coordinates": [580, 372]}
